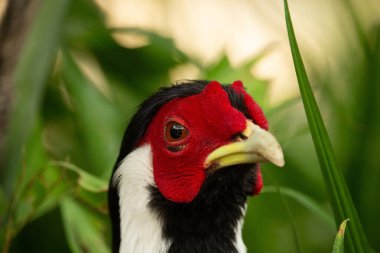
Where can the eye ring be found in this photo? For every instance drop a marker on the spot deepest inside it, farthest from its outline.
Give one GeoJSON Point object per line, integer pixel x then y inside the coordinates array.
{"type": "Point", "coordinates": [175, 132]}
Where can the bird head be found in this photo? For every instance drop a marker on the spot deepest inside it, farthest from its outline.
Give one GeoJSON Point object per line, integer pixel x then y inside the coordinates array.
{"type": "Point", "coordinates": [188, 160]}
{"type": "Point", "coordinates": [194, 136]}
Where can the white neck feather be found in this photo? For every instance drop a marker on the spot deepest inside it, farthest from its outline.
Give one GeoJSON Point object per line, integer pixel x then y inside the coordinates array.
{"type": "Point", "coordinates": [141, 229]}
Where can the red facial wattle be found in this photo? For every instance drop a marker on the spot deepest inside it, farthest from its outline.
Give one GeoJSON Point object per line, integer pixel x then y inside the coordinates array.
{"type": "Point", "coordinates": [211, 122]}
{"type": "Point", "coordinates": [254, 110]}
{"type": "Point", "coordinates": [258, 117]}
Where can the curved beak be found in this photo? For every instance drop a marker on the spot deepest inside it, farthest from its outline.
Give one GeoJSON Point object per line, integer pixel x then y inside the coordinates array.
{"type": "Point", "coordinates": [256, 145]}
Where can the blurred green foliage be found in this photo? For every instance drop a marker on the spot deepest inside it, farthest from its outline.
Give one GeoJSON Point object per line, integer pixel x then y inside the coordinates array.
{"type": "Point", "coordinates": [65, 130]}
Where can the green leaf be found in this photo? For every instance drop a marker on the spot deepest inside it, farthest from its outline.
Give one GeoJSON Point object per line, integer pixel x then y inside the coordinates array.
{"type": "Point", "coordinates": [83, 228]}
{"type": "Point", "coordinates": [37, 190]}
{"type": "Point", "coordinates": [3, 210]}
{"type": "Point", "coordinates": [41, 194]}
{"type": "Point", "coordinates": [292, 221]}
{"type": "Point", "coordinates": [337, 190]}
{"type": "Point", "coordinates": [32, 71]}
{"type": "Point", "coordinates": [339, 240]}
{"type": "Point", "coordinates": [84, 179]}
{"type": "Point", "coordinates": [99, 121]}
{"type": "Point", "coordinates": [303, 200]}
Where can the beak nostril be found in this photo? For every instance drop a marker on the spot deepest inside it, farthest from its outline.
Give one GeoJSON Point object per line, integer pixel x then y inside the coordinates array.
{"type": "Point", "coordinates": [239, 137]}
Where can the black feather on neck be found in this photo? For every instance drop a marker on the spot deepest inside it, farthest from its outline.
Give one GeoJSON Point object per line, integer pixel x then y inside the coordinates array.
{"type": "Point", "coordinates": [208, 223]}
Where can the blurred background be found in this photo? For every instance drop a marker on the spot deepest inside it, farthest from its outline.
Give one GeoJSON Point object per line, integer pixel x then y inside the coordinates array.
{"type": "Point", "coordinates": [73, 72]}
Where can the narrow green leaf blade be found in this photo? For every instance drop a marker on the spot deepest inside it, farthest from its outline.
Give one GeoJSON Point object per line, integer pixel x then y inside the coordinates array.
{"type": "Point", "coordinates": [296, 236]}
{"type": "Point", "coordinates": [339, 240]}
{"type": "Point", "coordinates": [84, 179]}
{"type": "Point", "coordinates": [339, 195]}
{"type": "Point", "coordinates": [99, 121]}
{"type": "Point", "coordinates": [32, 71]}
{"type": "Point", "coordinates": [84, 230]}
{"type": "Point", "coordinates": [303, 200]}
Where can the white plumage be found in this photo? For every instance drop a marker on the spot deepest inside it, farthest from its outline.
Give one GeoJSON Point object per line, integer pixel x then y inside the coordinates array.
{"type": "Point", "coordinates": [141, 229]}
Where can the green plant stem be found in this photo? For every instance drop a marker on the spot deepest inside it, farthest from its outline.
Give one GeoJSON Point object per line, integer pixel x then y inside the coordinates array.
{"type": "Point", "coordinates": [297, 240]}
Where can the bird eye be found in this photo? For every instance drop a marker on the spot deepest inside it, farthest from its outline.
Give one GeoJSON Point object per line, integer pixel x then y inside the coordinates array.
{"type": "Point", "coordinates": [175, 132]}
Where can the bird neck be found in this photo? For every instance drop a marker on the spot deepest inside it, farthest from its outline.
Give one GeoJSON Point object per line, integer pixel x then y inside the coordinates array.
{"type": "Point", "coordinates": [212, 227]}
{"type": "Point", "coordinates": [212, 222]}
{"type": "Point", "coordinates": [140, 227]}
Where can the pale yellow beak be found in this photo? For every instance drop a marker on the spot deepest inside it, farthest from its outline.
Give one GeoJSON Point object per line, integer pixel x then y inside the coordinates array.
{"type": "Point", "coordinates": [259, 146]}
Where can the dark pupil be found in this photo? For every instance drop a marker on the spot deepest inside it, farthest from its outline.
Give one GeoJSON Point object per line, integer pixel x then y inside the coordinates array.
{"type": "Point", "coordinates": [176, 131]}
